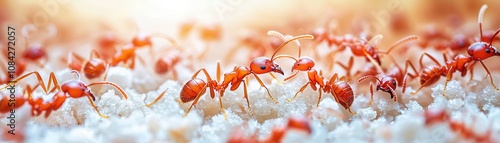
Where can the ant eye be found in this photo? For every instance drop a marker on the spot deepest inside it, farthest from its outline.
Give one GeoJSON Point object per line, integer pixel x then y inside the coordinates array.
{"type": "Point", "coordinates": [394, 82]}
{"type": "Point", "coordinates": [263, 67]}
{"type": "Point", "coordinates": [488, 51]}
{"type": "Point", "coordinates": [83, 89]}
{"type": "Point", "coordinates": [298, 64]}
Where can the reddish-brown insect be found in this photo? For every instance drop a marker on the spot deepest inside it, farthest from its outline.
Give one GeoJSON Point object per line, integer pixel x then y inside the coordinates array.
{"type": "Point", "coordinates": [167, 62]}
{"type": "Point", "coordinates": [35, 53]}
{"type": "Point", "coordinates": [294, 123]}
{"type": "Point", "coordinates": [94, 67]}
{"type": "Point", "coordinates": [126, 55]}
{"type": "Point", "coordinates": [442, 116]}
{"type": "Point", "coordinates": [478, 52]}
{"type": "Point", "coordinates": [341, 91]}
{"type": "Point", "coordinates": [196, 87]}
{"type": "Point", "coordinates": [394, 77]}
{"type": "Point", "coordinates": [368, 50]}
{"type": "Point", "coordinates": [70, 89]}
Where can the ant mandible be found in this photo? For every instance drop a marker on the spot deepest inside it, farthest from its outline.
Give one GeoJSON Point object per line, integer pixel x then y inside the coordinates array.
{"type": "Point", "coordinates": [341, 91]}
{"type": "Point", "coordinates": [196, 87]}
{"type": "Point", "coordinates": [70, 89]}
{"type": "Point", "coordinates": [396, 76]}
{"type": "Point", "coordinates": [478, 51]}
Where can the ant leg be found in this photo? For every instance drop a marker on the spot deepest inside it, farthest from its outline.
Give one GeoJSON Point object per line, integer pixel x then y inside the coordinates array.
{"type": "Point", "coordinates": [218, 71]}
{"type": "Point", "coordinates": [371, 94]}
{"type": "Point", "coordinates": [221, 108]}
{"type": "Point", "coordinates": [112, 84]}
{"type": "Point", "coordinates": [96, 109]}
{"type": "Point", "coordinates": [39, 78]}
{"type": "Point", "coordinates": [291, 76]}
{"type": "Point", "coordinates": [156, 100]}
{"type": "Point", "coordinates": [52, 78]}
{"type": "Point", "coordinates": [373, 61]}
{"type": "Point", "coordinates": [73, 64]}
{"type": "Point", "coordinates": [429, 56]}
{"type": "Point", "coordinates": [274, 77]}
{"type": "Point", "coordinates": [195, 101]}
{"type": "Point", "coordinates": [419, 88]}
{"type": "Point", "coordinates": [262, 84]}
{"type": "Point", "coordinates": [246, 97]}
{"type": "Point", "coordinates": [347, 67]}
{"type": "Point", "coordinates": [448, 78]}
{"type": "Point", "coordinates": [319, 97]}
{"type": "Point", "coordinates": [489, 74]}
{"type": "Point", "coordinates": [301, 89]}
{"type": "Point", "coordinates": [409, 64]}
{"type": "Point", "coordinates": [331, 55]}
{"type": "Point", "coordinates": [471, 72]}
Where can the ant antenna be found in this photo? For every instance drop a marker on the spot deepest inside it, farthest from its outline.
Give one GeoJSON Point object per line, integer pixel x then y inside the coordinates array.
{"type": "Point", "coordinates": [290, 40]}
{"type": "Point", "coordinates": [371, 42]}
{"type": "Point", "coordinates": [493, 37]}
{"type": "Point", "coordinates": [282, 37]}
{"type": "Point", "coordinates": [401, 41]}
{"type": "Point", "coordinates": [480, 20]}
{"type": "Point", "coordinates": [77, 74]}
{"type": "Point", "coordinates": [368, 76]}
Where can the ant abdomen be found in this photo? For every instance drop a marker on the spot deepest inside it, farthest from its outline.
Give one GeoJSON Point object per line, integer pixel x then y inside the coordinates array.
{"type": "Point", "coordinates": [191, 89]}
{"type": "Point", "coordinates": [343, 93]}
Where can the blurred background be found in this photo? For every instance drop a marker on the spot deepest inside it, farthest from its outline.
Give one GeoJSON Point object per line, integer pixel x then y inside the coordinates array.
{"type": "Point", "coordinates": [215, 28]}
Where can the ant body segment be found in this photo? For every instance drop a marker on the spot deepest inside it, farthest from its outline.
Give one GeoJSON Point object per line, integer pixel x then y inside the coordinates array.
{"type": "Point", "coordinates": [341, 91]}
{"type": "Point", "coordinates": [478, 52]}
{"type": "Point", "coordinates": [395, 76]}
{"type": "Point", "coordinates": [70, 89]}
{"type": "Point", "coordinates": [92, 68]}
{"type": "Point", "coordinates": [196, 87]}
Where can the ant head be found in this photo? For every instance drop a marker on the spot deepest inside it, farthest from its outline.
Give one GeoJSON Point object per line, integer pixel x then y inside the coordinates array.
{"type": "Point", "coordinates": [303, 64]}
{"type": "Point", "coordinates": [481, 51]}
{"type": "Point", "coordinates": [77, 89]}
{"type": "Point", "coordinates": [263, 65]}
{"type": "Point", "coordinates": [94, 68]}
{"type": "Point", "coordinates": [141, 40]}
{"type": "Point", "coordinates": [387, 83]}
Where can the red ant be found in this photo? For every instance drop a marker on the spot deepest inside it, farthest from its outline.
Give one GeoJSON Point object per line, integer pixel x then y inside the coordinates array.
{"type": "Point", "coordinates": [478, 51]}
{"type": "Point", "coordinates": [196, 87]}
{"type": "Point", "coordinates": [126, 55]}
{"type": "Point", "coordinates": [368, 50]}
{"type": "Point", "coordinates": [442, 116]}
{"type": "Point", "coordinates": [70, 89]}
{"type": "Point", "coordinates": [341, 91]}
{"type": "Point", "coordinates": [35, 52]}
{"type": "Point", "coordinates": [395, 76]}
{"type": "Point", "coordinates": [92, 68]}
{"type": "Point", "coordinates": [167, 62]}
